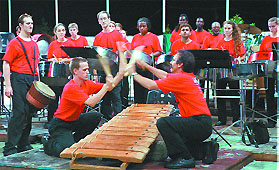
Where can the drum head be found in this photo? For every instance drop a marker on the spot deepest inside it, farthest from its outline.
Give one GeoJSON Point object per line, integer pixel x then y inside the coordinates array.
{"type": "Point", "coordinates": [106, 53]}
{"type": "Point", "coordinates": [44, 89]}
{"type": "Point", "coordinates": [139, 55]}
{"type": "Point", "coordinates": [164, 58]}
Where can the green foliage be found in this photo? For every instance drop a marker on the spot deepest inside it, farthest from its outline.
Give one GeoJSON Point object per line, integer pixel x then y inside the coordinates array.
{"type": "Point", "coordinates": [237, 19]}
{"type": "Point", "coordinates": [168, 30]}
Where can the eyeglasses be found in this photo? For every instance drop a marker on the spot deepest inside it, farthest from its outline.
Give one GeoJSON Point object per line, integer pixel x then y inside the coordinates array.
{"type": "Point", "coordinates": [102, 19]}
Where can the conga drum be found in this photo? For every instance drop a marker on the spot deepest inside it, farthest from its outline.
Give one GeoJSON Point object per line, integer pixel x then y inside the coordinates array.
{"type": "Point", "coordinates": [40, 95]}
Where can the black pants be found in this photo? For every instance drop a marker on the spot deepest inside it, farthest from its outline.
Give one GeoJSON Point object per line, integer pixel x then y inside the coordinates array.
{"type": "Point", "coordinates": [140, 92]}
{"type": "Point", "coordinates": [53, 105]}
{"type": "Point", "coordinates": [221, 102]}
{"type": "Point", "coordinates": [20, 120]}
{"type": "Point", "coordinates": [124, 92]}
{"type": "Point", "coordinates": [61, 132]}
{"type": "Point", "coordinates": [183, 134]}
{"type": "Point", "coordinates": [112, 100]}
{"type": "Point", "coordinates": [270, 99]}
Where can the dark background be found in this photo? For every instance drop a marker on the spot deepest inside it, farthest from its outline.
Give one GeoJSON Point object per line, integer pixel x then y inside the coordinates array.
{"type": "Point", "coordinates": [127, 12]}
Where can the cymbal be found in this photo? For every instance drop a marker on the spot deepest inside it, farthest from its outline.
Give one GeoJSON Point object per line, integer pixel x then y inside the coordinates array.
{"type": "Point", "coordinates": [249, 29]}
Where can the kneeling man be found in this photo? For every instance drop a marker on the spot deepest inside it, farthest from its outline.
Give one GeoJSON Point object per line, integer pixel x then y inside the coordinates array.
{"type": "Point", "coordinates": [183, 135]}
{"type": "Point", "coordinates": [69, 124]}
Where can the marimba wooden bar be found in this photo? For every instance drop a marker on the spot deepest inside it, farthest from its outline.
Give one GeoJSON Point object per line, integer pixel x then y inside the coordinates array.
{"type": "Point", "coordinates": [126, 137]}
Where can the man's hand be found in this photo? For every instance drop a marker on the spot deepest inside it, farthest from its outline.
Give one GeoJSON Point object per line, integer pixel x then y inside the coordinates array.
{"type": "Point", "coordinates": [131, 69]}
{"type": "Point", "coordinates": [141, 64]}
{"type": "Point", "coordinates": [8, 91]}
{"type": "Point", "coordinates": [121, 46]}
{"type": "Point", "coordinates": [140, 48]}
{"type": "Point", "coordinates": [109, 84]}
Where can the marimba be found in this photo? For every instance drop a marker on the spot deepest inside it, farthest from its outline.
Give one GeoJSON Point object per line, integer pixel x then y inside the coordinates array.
{"type": "Point", "coordinates": [126, 137]}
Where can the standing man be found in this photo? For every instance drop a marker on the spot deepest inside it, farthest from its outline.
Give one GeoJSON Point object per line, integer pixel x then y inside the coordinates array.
{"type": "Point", "coordinates": [69, 124]}
{"type": "Point", "coordinates": [107, 38]}
{"type": "Point", "coordinates": [185, 42]}
{"type": "Point", "coordinates": [175, 35]}
{"type": "Point", "coordinates": [183, 135]}
{"type": "Point", "coordinates": [19, 76]}
{"type": "Point", "coordinates": [78, 40]}
{"type": "Point", "coordinates": [200, 32]}
{"type": "Point", "coordinates": [212, 40]}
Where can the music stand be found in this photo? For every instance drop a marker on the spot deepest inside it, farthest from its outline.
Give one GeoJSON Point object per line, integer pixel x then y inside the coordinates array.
{"type": "Point", "coordinates": [85, 52]}
{"type": "Point", "coordinates": [211, 58]}
{"type": "Point", "coordinates": [90, 53]}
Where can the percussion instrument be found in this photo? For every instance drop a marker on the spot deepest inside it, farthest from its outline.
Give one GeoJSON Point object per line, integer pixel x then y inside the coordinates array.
{"type": "Point", "coordinates": [40, 95]}
{"type": "Point", "coordinates": [126, 137]}
{"type": "Point", "coordinates": [112, 60]}
{"type": "Point", "coordinates": [249, 29]}
{"type": "Point", "coordinates": [164, 58]}
{"type": "Point", "coordinates": [163, 62]}
{"type": "Point", "coordinates": [264, 61]}
{"type": "Point", "coordinates": [54, 73]}
{"type": "Point", "coordinates": [245, 71]}
{"type": "Point", "coordinates": [139, 55]}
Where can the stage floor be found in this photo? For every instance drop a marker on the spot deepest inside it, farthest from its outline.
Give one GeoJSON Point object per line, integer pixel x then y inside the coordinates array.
{"type": "Point", "coordinates": [235, 157]}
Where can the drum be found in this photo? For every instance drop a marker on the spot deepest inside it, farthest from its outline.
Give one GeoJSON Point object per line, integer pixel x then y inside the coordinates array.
{"type": "Point", "coordinates": [245, 71]}
{"type": "Point", "coordinates": [265, 61]}
{"type": "Point", "coordinates": [40, 95]}
{"type": "Point", "coordinates": [164, 58]}
{"type": "Point", "coordinates": [260, 56]}
{"type": "Point", "coordinates": [139, 55]}
{"type": "Point", "coordinates": [94, 63]}
{"type": "Point", "coordinates": [163, 62]}
{"type": "Point", "coordinates": [54, 73]}
{"type": "Point", "coordinates": [267, 67]}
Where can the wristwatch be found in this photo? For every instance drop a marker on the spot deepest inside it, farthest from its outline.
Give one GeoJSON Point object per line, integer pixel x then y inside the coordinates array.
{"type": "Point", "coordinates": [133, 74]}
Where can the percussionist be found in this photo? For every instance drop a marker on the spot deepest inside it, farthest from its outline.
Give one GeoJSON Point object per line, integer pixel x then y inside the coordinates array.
{"type": "Point", "coordinates": [69, 124]}
{"type": "Point", "coordinates": [183, 135]}
{"type": "Point", "coordinates": [19, 76]}
{"type": "Point", "coordinates": [231, 42]}
{"type": "Point", "coordinates": [151, 46]}
{"type": "Point", "coordinates": [55, 54]}
{"type": "Point", "coordinates": [266, 46]}
{"type": "Point", "coordinates": [107, 38]}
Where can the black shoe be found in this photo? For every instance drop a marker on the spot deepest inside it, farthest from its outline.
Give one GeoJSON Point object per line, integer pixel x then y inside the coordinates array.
{"type": "Point", "coordinates": [220, 123]}
{"type": "Point", "coordinates": [211, 150]}
{"type": "Point", "coordinates": [24, 148]}
{"type": "Point", "coordinates": [181, 163]}
{"type": "Point", "coordinates": [271, 124]}
{"type": "Point", "coordinates": [44, 140]}
{"type": "Point", "coordinates": [9, 152]}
